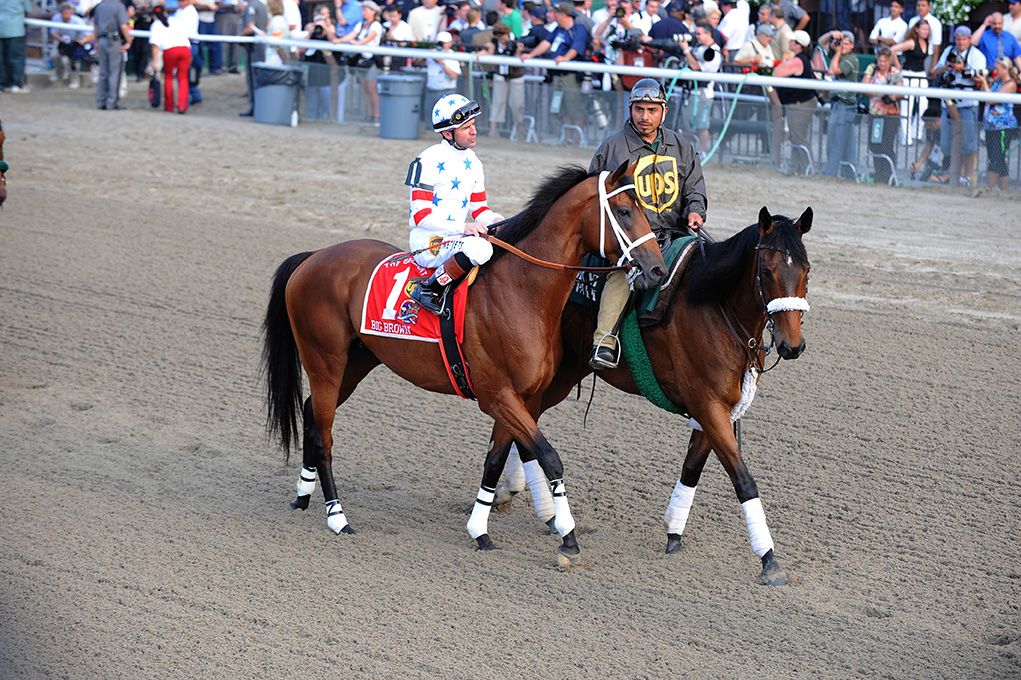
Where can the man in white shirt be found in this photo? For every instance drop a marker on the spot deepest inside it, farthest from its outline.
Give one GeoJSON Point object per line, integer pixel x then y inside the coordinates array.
{"type": "Point", "coordinates": [734, 25]}
{"type": "Point", "coordinates": [426, 21]}
{"type": "Point", "coordinates": [890, 30]}
{"type": "Point", "coordinates": [1012, 20]}
{"type": "Point", "coordinates": [698, 106]}
{"type": "Point", "coordinates": [924, 9]}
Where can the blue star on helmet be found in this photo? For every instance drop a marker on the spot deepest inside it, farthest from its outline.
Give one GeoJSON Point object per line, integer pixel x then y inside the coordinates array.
{"type": "Point", "coordinates": [455, 184]}
{"type": "Point", "coordinates": [467, 164]}
{"type": "Point", "coordinates": [439, 167]}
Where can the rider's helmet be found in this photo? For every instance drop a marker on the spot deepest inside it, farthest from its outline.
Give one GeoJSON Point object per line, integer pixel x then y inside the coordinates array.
{"type": "Point", "coordinates": [453, 111]}
{"type": "Point", "coordinates": [647, 90]}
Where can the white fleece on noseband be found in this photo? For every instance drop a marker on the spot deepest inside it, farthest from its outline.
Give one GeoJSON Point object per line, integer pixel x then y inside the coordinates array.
{"type": "Point", "coordinates": [748, 385]}
{"type": "Point", "coordinates": [680, 505]}
{"type": "Point", "coordinates": [758, 532]}
{"type": "Point", "coordinates": [787, 304]}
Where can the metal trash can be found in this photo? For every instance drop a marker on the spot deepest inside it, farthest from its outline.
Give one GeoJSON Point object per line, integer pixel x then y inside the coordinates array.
{"type": "Point", "coordinates": [400, 105]}
{"type": "Point", "coordinates": [276, 93]}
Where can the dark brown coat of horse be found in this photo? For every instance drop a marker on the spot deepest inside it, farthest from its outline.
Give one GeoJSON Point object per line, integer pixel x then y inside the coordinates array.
{"type": "Point", "coordinates": [757, 278]}
{"type": "Point", "coordinates": [512, 336]}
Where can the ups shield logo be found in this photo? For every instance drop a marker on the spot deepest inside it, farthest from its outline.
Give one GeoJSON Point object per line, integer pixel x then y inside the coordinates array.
{"type": "Point", "coordinates": [656, 182]}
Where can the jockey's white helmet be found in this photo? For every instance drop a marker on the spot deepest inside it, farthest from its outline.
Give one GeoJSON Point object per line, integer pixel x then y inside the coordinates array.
{"type": "Point", "coordinates": [453, 111]}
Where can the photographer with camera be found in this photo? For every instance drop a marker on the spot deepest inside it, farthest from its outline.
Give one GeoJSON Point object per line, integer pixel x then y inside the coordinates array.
{"type": "Point", "coordinates": [959, 118]}
{"type": "Point", "coordinates": [884, 114]}
{"type": "Point", "coordinates": [508, 81]}
{"type": "Point", "coordinates": [1000, 121]}
{"type": "Point", "coordinates": [567, 41]}
{"type": "Point", "coordinates": [842, 137]}
{"type": "Point", "coordinates": [669, 185]}
{"type": "Point", "coordinates": [704, 55]}
{"type": "Point", "coordinates": [69, 50]}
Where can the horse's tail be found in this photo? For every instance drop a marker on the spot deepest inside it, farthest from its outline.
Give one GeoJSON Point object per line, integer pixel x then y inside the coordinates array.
{"type": "Point", "coordinates": [280, 360]}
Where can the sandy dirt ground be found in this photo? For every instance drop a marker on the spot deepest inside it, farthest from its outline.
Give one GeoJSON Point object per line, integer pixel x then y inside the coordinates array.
{"type": "Point", "coordinates": [145, 526]}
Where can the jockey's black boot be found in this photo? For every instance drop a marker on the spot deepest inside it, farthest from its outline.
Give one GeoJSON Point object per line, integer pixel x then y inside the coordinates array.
{"type": "Point", "coordinates": [429, 293]}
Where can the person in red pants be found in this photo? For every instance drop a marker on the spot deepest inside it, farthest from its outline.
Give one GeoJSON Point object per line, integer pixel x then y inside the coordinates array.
{"type": "Point", "coordinates": [172, 48]}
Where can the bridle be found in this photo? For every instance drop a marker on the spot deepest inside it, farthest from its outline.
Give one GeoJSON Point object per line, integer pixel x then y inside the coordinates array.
{"type": "Point", "coordinates": [769, 308]}
{"type": "Point", "coordinates": [625, 243]}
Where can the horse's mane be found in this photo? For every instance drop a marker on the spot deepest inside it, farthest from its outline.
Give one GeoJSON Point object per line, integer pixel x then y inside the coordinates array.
{"type": "Point", "coordinates": [712, 279]}
{"type": "Point", "coordinates": [549, 192]}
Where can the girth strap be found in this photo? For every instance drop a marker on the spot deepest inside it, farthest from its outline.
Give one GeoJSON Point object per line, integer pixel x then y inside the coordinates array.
{"type": "Point", "coordinates": [453, 359]}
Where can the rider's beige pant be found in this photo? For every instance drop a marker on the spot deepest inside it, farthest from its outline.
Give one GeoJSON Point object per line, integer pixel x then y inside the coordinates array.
{"type": "Point", "coordinates": [615, 296]}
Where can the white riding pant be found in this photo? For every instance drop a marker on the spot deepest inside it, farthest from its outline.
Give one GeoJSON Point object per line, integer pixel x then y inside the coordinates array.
{"type": "Point", "coordinates": [478, 249]}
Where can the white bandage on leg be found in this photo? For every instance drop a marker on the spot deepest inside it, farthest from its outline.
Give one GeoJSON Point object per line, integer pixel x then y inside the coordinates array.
{"type": "Point", "coordinates": [478, 523]}
{"type": "Point", "coordinates": [335, 517]}
{"type": "Point", "coordinates": [514, 473]}
{"type": "Point", "coordinates": [564, 522]}
{"type": "Point", "coordinates": [677, 511]}
{"type": "Point", "coordinates": [542, 499]}
{"type": "Point", "coordinates": [758, 532]}
{"type": "Point", "coordinates": [306, 481]}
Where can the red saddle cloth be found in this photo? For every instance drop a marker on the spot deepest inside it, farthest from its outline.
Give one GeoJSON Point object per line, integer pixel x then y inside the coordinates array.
{"type": "Point", "coordinates": [389, 311]}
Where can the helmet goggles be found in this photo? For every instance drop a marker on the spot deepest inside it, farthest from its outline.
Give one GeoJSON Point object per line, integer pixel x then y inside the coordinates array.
{"type": "Point", "coordinates": [647, 90]}
{"type": "Point", "coordinates": [459, 117]}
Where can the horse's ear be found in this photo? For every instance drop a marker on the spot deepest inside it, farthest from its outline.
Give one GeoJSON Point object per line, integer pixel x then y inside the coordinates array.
{"type": "Point", "coordinates": [619, 173]}
{"type": "Point", "coordinates": [805, 221]}
{"type": "Point", "coordinates": [765, 221]}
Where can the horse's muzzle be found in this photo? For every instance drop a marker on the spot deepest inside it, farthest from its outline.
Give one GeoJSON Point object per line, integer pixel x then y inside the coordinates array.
{"type": "Point", "coordinates": [787, 352]}
{"type": "Point", "coordinates": [650, 278]}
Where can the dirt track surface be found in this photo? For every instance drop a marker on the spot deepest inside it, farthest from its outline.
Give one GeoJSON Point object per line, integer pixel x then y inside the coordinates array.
{"type": "Point", "coordinates": [146, 531]}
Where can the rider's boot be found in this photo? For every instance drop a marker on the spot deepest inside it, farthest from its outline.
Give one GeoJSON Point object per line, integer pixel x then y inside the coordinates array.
{"type": "Point", "coordinates": [429, 293]}
{"type": "Point", "coordinates": [616, 292]}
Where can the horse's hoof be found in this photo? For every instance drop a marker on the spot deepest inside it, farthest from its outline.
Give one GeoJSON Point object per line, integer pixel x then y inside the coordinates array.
{"type": "Point", "coordinates": [566, 559]}
{"type": "Point", "coordinates": [300, 503]}
{"type": "Point", "coordinates": [772, 573]}
{"type": "Point", "coordinates": [347, 529]}
{"type": "Point", "coordinates": [485, 542]}
{"type": "Point", "coordinates": [673, 543]}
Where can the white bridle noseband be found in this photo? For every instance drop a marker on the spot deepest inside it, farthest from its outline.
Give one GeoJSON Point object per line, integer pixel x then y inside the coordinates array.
{"type": "Point", "coordinates": [625, 243]}
{"type": "Point", "coordinates": [787, 304]}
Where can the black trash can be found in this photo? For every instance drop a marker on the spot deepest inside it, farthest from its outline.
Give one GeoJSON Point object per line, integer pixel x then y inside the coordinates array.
{"type": "Point", "coordinates": [400, 105]}
{"type": "Point", "coordinates": [276, 93]}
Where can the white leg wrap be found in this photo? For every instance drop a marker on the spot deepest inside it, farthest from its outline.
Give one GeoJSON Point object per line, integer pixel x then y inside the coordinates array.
{"type": "Point", "coordinates": [306, 481]}
{"type": "Point", "coordinates": [514, 473]}
{"type": "Point", "coordinates": [758, 532]}
{"type": "Point", "coordinates": [335, 517]}
{"type": "Point", "coordinates": [564, 522]}
{"type": "Point", "coordinates": [478, 523]}
{"type": "Point", "coordinates": [542, 499]}
{"type": "Point", "coordinates": [680, 505]}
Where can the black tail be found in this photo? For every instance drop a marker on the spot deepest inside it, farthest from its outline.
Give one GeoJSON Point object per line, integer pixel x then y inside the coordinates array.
{"type": "Point", "coordinates": [280, 361]}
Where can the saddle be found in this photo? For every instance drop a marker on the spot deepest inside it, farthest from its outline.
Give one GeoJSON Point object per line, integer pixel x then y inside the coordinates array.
{"type": "Point", "coordinates": [389, 311]}
{"type": "Point", "coordinates": [650, 305]}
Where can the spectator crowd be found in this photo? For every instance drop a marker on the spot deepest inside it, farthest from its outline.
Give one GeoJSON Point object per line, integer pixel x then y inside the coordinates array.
{"type": "Point", "coordinates": [906, 45]}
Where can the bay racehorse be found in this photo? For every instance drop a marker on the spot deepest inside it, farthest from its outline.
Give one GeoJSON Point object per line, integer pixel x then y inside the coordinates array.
{"type": "Point", "coordinates": [3, 166]}
{"type": "Point", "coordinates": [512, 337]}
{"type": "Point", "coordinates": [705, 357]}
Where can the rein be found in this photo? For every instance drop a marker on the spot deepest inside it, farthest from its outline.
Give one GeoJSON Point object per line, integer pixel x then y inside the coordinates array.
{"type": "Point", "coordinates": [550, 265]}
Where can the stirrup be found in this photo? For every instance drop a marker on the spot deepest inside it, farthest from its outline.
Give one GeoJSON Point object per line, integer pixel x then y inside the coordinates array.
{"type": "Point", "coordinates": [427, 298]}
{"type": "Point", "coordinates": [603, 357]}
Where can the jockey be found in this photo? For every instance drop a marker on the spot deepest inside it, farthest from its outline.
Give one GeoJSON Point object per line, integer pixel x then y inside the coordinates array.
{"type": "Point", "coordinates": [447, 186]}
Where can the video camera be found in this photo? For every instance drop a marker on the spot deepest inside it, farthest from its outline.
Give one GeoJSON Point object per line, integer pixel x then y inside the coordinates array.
{"type": "Point", "coordinates": [528, 42]}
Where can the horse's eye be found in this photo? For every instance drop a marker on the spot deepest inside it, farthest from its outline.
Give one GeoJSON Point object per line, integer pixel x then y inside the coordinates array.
{"type": "Point", "coordinates": [767, 274]}
{"type": "Point", "coordinates": [624, 211]}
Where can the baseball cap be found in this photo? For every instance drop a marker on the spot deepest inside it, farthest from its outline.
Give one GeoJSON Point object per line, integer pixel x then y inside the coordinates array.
{"type": "Point", "coordinates": [801, 38]}
{"type": "Point", "coordinates": [962, 30]}
{"type": "Point", "coordinates": [539, 12]}
{"type": "Point", "coordinates": [765, 29]}
{"type": "Point", "coordinates": [564, 8]}
{"type": "Point", "coordinates": [847, 35]}
{"type": "Point", "coordinates": [371, 5]}
{"type": "Point", "coordinates": [443, 37]}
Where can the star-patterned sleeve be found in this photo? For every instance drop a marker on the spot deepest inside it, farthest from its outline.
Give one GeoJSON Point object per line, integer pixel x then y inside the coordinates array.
{"type": "Point", "coordinates": [478, 206]}
{"type": "Point", "coordinates": [447, 189]}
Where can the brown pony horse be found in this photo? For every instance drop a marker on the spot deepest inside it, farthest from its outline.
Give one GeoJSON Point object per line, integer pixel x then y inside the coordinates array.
{"type": "Point", "coordinates": [3, 166]}
{"type": "Point", "coordinates": [701, 353]}
{"type": "Point", "coordinates": [512, 338]}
